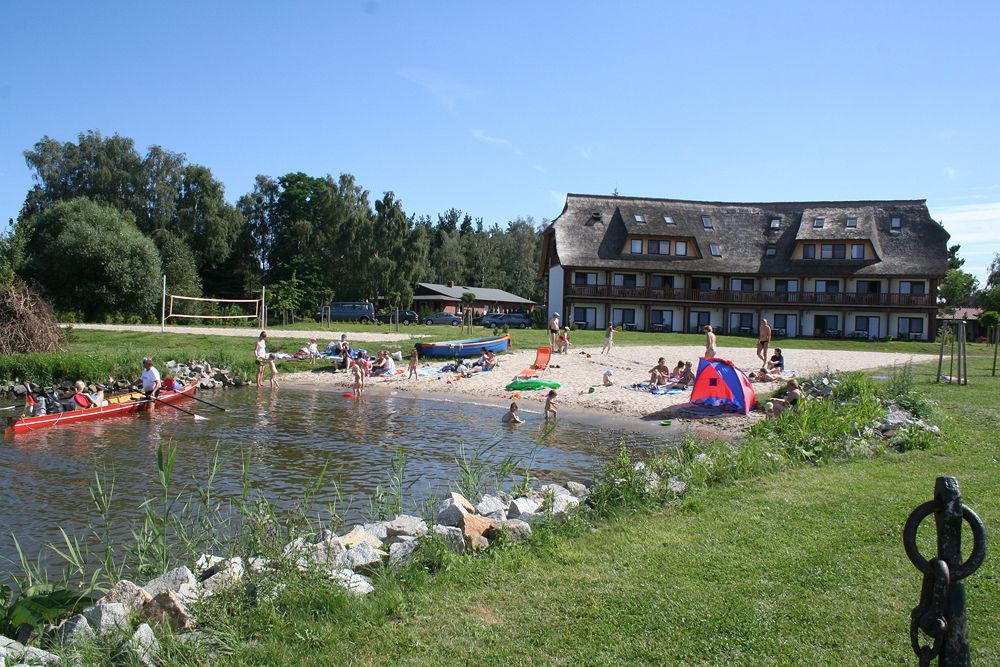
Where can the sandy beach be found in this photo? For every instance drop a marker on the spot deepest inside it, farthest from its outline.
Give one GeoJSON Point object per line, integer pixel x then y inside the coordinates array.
{"type": "Point", "coordinates": [581, 370]}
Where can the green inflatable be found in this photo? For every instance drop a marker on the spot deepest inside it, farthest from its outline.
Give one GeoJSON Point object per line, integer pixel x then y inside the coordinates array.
{"type": "Point", "coordinates": [521, 385]}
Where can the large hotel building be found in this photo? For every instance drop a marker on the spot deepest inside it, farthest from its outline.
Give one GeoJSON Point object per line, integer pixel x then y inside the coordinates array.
{"type": "Point", "coordinates": [864, 269]}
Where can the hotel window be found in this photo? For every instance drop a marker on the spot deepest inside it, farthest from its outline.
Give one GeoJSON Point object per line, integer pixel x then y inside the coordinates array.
{"type": "Point", "coordinates": [623, 315]}
{"type": "Point", "coordinates": [661, 282]}
{"type": "Point", "coordinates": [910, 325]}
{"type": "Point", "coordinates": [636, 246]}
{"type": "Point", "coordinates": [681, 248]}
{"type": "Point", "coordinates": [584, 278]}
{"type": "Point", "coordinates": [715, 250]}
{"type": "Point", "coordinates": [782, 285]}
{"type": "Point", "coordinates": [827, 286]}
{"type": "Point", "coordinates": [706, 221]}
{"type": "Point", "coordinates": [895, 224]}
{"type": "Point", "coordinates": [912, 287]}
{"type": "Point", "coordinates": [771, 251]}
{"type": "Point", "coordinates": [585, 318]}
{"type": "Point", "coordinates": [662, 318]}
{"type": "Point", "coordinates": [832, 251]}
{"type": "Point", "coordinates": [780, 321]}
{"type": "Point", "coordinates": [668, 219]}
{"type": "Point", "coordinates": [818, 222]}
{"type": "Point", "coordinates": [741, 284]}
{"type": "Point", "coordinates": [743, 320]}
{"type": "Point", "coordinates": [857, 251]}
{"type": "Point", "coordinates": [869, 287]}
{"type": "Point", "coordinates": [809, 251]}
{"type": "Point", "coordinates": [851, 222]}
{"type": "Point", "coordinates": [623, 280]}
{"type": "Point", "coordinates": [776, 223]}
{"type": "Point", "coordinates": [640, 218]}
{"type": "Point", "coordinates": [701, 282]}
{"type": "Point", "coordinates": [658, 247]}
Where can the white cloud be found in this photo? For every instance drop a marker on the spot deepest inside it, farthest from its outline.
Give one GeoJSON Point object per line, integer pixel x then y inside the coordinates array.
{"type": "Point", "coordinates": [487, 138]}
{"type": "Point", "coordinates": [446, 92]}
{"type": "Point", "coordinates": [976, 227]}
{"type": "Point", "coordinates": [950, 172]}
{"type": "Point", "coordinates": [540, 169]}
{"type": "Point", "coordinates": [586, 152]}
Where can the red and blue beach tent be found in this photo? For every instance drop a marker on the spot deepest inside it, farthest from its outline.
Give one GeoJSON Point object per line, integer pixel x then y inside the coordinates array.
{"type": "Point", "coordinates": [720, 384]}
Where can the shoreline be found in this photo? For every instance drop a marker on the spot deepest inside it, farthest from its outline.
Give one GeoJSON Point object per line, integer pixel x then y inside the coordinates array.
{"type": "Point", "coordinates": [580, 373]}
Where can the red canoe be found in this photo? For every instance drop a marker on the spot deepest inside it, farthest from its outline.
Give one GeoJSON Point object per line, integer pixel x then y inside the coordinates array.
{"type": "Point", "coordinates": [117, 406]}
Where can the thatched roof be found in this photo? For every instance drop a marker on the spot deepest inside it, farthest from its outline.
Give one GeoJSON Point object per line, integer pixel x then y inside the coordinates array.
{"type": "Point", "coordinates": [592, 230]}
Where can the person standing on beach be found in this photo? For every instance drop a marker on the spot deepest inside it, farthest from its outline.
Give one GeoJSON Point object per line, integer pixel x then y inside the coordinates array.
{"type": "Point", "coordinates": [261, 354]}
{"type": "Point", "coordinates": [413, 364]}
{"type": "Point", "coordinates": [554, 332]}
{"type": "Point", "coordinates": [763, 340]}
{"type": "Point", "coordinates": [550, 405]}
{"type": "Point", "coordinates": [709, 342]}
{"type": "Point", "coordinates": [609, 339]}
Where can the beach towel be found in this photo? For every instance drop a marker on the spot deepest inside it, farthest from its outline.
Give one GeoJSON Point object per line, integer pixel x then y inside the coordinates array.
{"type": "Point", "coordinates": [672, 390]}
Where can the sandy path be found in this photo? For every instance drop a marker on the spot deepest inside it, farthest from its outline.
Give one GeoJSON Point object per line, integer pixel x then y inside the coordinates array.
{"type": "Point", "coordinates": [577, 373]}
{"type": "Point", "coordinates": [245, 332]}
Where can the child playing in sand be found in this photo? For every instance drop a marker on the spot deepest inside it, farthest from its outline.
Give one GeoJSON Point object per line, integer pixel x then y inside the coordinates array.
{"type": "Point", "coordinates": [609, 339]}
{"type": "Point", "coordinates": [413, 364]}
{"type": "Point", "coordinates": [608, 382]}
{"type": "Point", "coordinates": [511, 416]}
{"type": "Point", "coordinates": [564, 343]}
{"type": "Point", "coordinates": [359, 378]}
{"type": "Point", "coordinates": [550, 404]}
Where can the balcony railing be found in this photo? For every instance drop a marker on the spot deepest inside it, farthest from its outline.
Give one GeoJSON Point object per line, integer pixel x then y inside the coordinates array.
{"type": "Point", "coordinates": [751, 298]}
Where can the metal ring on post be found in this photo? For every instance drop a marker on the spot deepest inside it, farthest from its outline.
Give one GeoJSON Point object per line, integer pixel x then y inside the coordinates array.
{"type": "Point", "coordinates": [960, 571]}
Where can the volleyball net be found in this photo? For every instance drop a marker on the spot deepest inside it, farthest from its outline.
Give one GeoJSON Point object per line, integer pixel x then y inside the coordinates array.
{"type": "Point", "coordinates": [225, 311]}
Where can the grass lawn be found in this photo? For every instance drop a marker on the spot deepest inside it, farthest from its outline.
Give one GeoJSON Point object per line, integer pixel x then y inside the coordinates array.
{"type": "Point", "coordinates": [803, 567]}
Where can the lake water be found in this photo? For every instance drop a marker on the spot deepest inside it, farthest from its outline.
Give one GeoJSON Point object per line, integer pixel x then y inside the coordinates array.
{"type": "Point", "coordinates": [291, 434]}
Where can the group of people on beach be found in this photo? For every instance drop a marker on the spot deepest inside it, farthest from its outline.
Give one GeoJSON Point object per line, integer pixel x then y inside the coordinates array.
{"type": "Point", "coordinates": [680, 377]}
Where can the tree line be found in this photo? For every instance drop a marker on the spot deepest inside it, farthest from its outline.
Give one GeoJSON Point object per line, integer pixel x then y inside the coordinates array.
{"type": "Point", "coordinates": [103, 223]}
{"type": "Point", "coordinates": [962, 289]}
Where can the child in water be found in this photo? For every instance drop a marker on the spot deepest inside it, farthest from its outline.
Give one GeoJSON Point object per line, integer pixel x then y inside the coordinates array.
{"type": "Point", "coordinates": [511, 416]}
{"type": "Point", "coordinates": [359, 378]}
{"type": "Point", "coordinates": [413, 364]}
{"type": "Point", "coordinates": [550, 404]}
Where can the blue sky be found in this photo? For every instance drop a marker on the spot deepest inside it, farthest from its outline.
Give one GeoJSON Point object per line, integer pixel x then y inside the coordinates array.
{"type": "Point", "coordinates": [501, 109]}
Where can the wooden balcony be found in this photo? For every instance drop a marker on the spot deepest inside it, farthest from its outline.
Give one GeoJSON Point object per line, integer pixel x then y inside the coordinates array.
{"type": "Point", "coordinates": [737, 297]}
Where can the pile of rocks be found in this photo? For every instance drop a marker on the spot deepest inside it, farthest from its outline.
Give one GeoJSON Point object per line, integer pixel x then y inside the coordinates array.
{"type": "Point", "coordinates": [207, 376]}
{"type": "Point", "coordinates": [347, 559]}
{"type": "Point", "coordinates": [898, 419]}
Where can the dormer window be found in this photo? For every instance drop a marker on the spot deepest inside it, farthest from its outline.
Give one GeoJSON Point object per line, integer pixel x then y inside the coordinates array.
{"type": "Point", "coordinates": [681, 248]}
{"type": "Point", "coordinates": [636, 247]}
{"type": "Point", "coordinates": [771, 251]}
{"type": "Point", "coordinates": [775, 223]}
{"type": "Point", "coordinates": [706, 221]}
{"type": "Point", "coordinates": [851, 222]}
{"type": "Point", "coordinates": [818, 223]}
{"type": "Point", "coordinates": [895, 224]}
{"type": "Point", "coordinates": [668, 219]}
{"type": "Point", "coordinates": [641, 219]}
{"type": "Point", "coordinates": [715, 250]}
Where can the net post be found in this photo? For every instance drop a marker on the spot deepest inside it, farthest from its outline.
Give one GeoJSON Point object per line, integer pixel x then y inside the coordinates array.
{"type": "Point", "coordinates": [163, 306]}
{"type": "Point", "coordinates": [263, 308]}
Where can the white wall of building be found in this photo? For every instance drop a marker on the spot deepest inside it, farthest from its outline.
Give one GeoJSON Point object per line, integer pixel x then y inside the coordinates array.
{"type": "Point", "coordinates": [556, 286]}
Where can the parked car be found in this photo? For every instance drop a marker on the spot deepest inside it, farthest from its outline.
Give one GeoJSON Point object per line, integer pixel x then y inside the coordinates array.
{"type": "Point", "coordinates": [348, 311]}
{"type": "Point", "coordinates": [443, 318]}
{"type": "Point", "coordinates": [406, 317]}
{"type": "Point", "coordinates": [509, 320]}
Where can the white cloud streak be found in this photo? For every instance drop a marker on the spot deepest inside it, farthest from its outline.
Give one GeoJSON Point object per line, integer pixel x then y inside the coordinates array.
{"type": "Point", "coordinates": [447, 93]}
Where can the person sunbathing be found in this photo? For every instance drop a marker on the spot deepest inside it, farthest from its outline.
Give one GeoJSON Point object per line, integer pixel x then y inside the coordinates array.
{"type": "Point", "coordinates": [660, 373]}
{"type": "Point", "coordinates": [685, 379]}
{"type": "Point", "coordinates": [763, 376]}
{"type": "Point", "coordinates": [791, 399]}
{"type": "Point", "coordinates": [677, 371]}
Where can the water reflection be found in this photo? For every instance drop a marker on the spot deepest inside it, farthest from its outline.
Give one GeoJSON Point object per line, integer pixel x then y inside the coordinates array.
{"type": "Point", "coordinates": [290, 434]}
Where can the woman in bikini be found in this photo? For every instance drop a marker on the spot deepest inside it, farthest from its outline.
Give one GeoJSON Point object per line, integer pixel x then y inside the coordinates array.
{"type": "Point", "coordinates": [709, 342]}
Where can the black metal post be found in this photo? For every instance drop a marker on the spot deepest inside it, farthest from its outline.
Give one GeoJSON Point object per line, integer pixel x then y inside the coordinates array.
{"type": "Point", "coordinates": [955, 650]}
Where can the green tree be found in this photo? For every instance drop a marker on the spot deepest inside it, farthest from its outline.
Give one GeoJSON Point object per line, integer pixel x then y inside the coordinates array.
{"type": "Point", "coordinates": [178, 264]}
{"type": "Point", "coordinates": [7, 257]}
{"type": "Point", "coordinates": [448, 259]}
{"type": "Point", "coordinates": [990, 318]}
{"type": "Point", "coordinates": [957, 288]}
{"type": "Point", "coordinates": [285, 297]}
{"type": "Point", "coordinates": [92, 258]}
{"type": "Point", "coordinates": [989, 299]}
{"type": "Point", "coordinates": [520, 254]}
{"type": "Point", "coordinates": [954, 261]}
{"type": "Point", "coordinates": [993, 273]}
{"type": "Point", "coordinates": [468, 298]}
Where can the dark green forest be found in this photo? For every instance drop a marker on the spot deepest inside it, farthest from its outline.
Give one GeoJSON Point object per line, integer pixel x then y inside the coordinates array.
{"type": "Point", "coordinates": [103, 223]}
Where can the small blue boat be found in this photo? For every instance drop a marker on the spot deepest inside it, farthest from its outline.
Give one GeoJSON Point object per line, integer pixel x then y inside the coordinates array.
{"type": "Point", "coordinates": [472, 347]}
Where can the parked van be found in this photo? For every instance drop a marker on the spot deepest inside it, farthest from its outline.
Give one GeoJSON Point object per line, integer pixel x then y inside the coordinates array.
{"type": "Point", "coordinates": [348, 311]}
